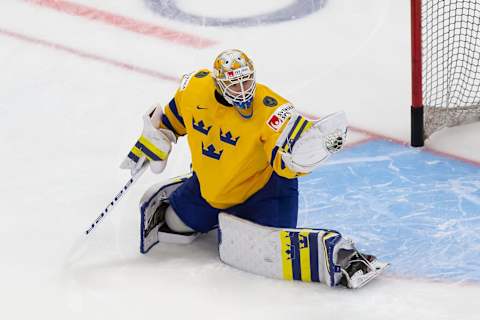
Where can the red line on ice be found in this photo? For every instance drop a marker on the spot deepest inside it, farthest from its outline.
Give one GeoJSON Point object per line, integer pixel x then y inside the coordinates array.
{"type": "Point", "coordinates": [374, 136]}
{"type": "Point", "coordinates": [89, 56]}
{"type": "Point", "coordinates": [125, 23]}
{"type": "Point", "coordinates": [426, 148]}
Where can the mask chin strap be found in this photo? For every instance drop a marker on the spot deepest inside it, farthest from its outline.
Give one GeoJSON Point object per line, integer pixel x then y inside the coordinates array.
{"type": "Point", "coordinates": [243, 105]}
{"type": "Point", "coordinates": [240, 104]}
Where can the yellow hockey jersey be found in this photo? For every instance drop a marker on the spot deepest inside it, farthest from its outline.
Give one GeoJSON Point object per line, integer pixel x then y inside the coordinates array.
{"type": "Point", "coordinates": [232, 157]}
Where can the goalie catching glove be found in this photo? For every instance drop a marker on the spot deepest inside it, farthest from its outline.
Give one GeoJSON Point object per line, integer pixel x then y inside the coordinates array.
{"type": "Point", "coordinates": [153, 145]}
{"type": "Point", "coordinates": [306, 151]}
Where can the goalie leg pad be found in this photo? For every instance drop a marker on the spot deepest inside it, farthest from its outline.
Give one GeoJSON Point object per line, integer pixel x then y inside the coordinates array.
{"type": "Point", "coordinates": [310, 255]}
{"type": "Point", "coordinates": [153, 206]}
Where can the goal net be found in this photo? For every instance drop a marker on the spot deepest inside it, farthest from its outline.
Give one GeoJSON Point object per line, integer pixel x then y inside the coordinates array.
{"type": "Point", "coordinates": [445, 65]}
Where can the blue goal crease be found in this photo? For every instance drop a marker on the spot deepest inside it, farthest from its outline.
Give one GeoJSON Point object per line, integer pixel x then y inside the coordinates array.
{"type": "Point", "coordinates": [415, 209]}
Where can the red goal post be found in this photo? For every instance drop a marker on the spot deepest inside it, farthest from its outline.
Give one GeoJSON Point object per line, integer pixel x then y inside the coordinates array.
{"type": "Point", "coordinates": [417, 102]}
{"type": "Point", "coordinates": [445, 45]}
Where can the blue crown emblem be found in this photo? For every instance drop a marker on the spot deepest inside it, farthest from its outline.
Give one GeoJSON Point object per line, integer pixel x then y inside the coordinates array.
{"type": "Point", "coordinates": [210, 152]}
{"type": "Point", "coordinates": [291, 249]}
{"type": "Point", "coordinates": [200, 126]}
{"type": "Point", "coordinates": [227, 138]}
{"type": "Point", "coordinates": [303, 241]}
{"type": "Point", "coordinates": [290, 252]}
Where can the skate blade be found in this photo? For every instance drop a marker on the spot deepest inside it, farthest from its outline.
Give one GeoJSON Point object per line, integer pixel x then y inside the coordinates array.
{"type": "Point", "coordinates": [359, 279]}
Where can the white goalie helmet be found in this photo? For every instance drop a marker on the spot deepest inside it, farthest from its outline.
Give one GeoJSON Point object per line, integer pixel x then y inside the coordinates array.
{"type": "Point", "coordinates": [234, 76]}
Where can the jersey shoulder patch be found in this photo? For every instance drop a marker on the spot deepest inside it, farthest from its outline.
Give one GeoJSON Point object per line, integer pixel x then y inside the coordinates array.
{"type": "Point", "coordinates": [267, 97]}
{"type": "Point", "coordinates": [193, 77]}
{"type": "Point", "coordinates": [270, 101]}
{"type": "Point", "coordinates": [185, 80]}
{"type": "Point", "coordinates": [280, 116]}
{"type": "Point", "coordinates": [202, 74]}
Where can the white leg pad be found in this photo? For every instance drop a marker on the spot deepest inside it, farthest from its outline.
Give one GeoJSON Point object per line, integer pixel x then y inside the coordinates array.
{"type": "Point", "coordinates": [291, 254]}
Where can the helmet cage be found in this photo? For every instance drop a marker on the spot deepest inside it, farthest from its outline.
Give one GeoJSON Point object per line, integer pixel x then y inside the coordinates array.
{"type": "Point", "coordinates": [238, 87]}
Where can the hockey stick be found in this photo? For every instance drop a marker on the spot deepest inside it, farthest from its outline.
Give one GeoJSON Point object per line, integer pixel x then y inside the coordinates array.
{"type": "Point", "coordinates": [111, 204]}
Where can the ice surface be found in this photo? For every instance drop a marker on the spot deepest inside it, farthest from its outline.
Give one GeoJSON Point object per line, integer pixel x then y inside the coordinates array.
{"type": "Point", "coordinates": [73, 87]}
{"type": "Point", "coordinates": [417, 210]}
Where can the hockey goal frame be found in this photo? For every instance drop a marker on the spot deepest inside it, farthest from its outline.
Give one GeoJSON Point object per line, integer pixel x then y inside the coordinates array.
{"type": "Point", "coordinates": [446, 75]}
{"type": "Point", "coordinates": [417, 108]}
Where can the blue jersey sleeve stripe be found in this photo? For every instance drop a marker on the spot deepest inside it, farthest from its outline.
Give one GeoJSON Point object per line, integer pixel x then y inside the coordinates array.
{"type": "Point", "coordinates": [274, 154]}
{"type": "Point", "coordinates": [168, 124]}
{"type": "Point", "coordinates": [173, 108]}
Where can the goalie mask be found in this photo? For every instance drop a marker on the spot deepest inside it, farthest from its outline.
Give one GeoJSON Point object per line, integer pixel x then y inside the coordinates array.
{"type": "Point", "coordinates": [234, 76]}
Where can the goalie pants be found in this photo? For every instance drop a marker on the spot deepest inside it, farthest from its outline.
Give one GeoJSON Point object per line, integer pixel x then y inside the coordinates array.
{"type": "Point", "coordinates": [275, 205]}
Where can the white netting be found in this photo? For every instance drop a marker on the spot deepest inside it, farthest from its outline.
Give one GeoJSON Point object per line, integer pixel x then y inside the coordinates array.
{"type": "Point", "coordinates": [451, 62]}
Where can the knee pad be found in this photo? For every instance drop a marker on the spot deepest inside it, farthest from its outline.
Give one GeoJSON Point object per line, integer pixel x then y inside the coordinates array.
{"type": "Point", "coordinates": [153, 205]}
{"type": "Point", "coordinates": [161, 191]}
{"type": "Point", "coordinates": [175, 223]}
